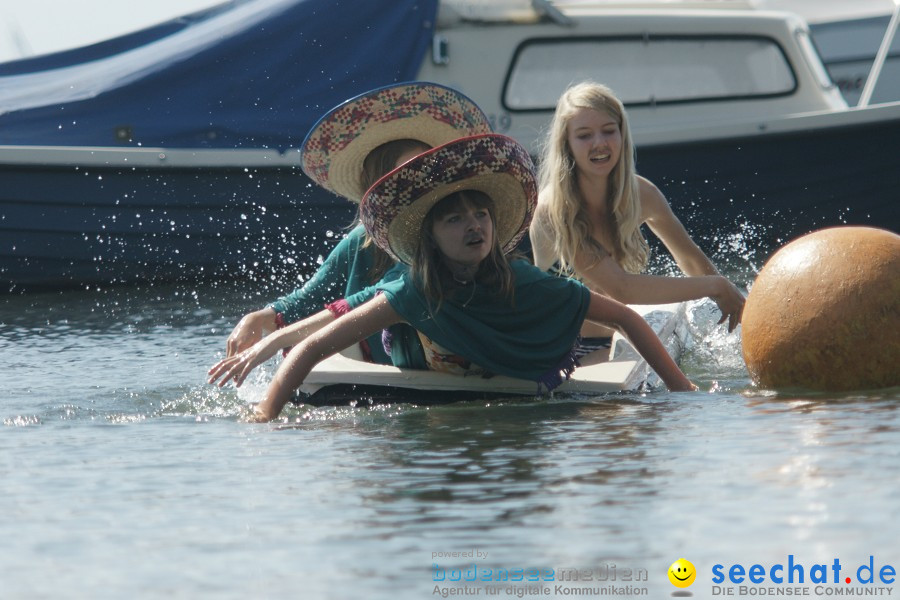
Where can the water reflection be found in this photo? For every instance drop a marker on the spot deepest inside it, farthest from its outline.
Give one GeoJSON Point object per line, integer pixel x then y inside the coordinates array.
{"type": "Point", "coordinates": [467, 472]}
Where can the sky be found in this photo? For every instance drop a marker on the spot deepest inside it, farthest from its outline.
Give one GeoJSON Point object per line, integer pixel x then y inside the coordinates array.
{"type": "Point", "coordinates": [31, 27]}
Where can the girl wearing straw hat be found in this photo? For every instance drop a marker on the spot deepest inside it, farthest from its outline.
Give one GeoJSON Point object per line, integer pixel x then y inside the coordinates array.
{"type": "Point", "coordinates": [452, 213]}
{"type": "Point", "coordinates": [351, 147]}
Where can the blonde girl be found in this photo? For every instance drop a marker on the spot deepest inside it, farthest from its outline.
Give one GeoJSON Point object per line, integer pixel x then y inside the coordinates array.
{"type": "Point", "coordinates": [592, 204]}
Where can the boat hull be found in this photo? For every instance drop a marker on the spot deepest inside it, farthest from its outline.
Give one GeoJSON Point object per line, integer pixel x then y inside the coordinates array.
{"type": "Point", "coordinates": [215, 200]}
{"type": "Point", "coordinates": [765, 189]}
{"type": "Point", "coordinates": [74, 222]}
{"type": "Point", "coordinates": [64, 225]}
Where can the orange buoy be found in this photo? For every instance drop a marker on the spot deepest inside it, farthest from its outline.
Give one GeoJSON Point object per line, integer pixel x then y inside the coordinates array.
{"type": "Point", "coordinates": [824, 313]}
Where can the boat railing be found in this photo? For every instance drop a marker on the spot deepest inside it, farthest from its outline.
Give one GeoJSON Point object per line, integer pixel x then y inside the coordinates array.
{"type": "Point", "coordinates": [556, 11]}
{"type": "Point", "coordinates": [880, 57]}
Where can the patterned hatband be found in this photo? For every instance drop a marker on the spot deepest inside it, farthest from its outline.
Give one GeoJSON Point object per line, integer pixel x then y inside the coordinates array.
{"type": "Point", "coordinates": [334, 150]}
{"type": "Point", "coordinates": [392, 211]}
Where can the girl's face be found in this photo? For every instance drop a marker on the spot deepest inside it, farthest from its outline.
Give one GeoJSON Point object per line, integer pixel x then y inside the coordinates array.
{"type": "Point", "coordinates": [595, 141]}
{"type": "Point", "coordinates": [464, 235]}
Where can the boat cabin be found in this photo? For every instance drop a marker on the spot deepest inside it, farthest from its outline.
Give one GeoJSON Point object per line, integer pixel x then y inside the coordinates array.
{"type": "Point", "coordinates": [680, 68]}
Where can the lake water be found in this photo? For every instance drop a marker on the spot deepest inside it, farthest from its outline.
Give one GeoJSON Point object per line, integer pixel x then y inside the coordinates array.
{"type": "Point", "coordinates": [125, 476]}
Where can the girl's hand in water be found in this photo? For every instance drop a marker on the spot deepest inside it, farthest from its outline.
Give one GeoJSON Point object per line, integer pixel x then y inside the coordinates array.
{"type": "Point", "coordinates": [690, 386]}
{"type": "Point", "coordinates": [257, 416]}
{"type": "Point", "coordinates": [730, 302]}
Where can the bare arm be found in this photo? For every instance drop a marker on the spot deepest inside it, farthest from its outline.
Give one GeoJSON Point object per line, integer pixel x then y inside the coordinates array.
{"type": "Point", "coordinates": [250, 329]}
{"type": "Point", "coordinates": [606, 311]}
{"type": "Point", "coordinates": [658, 215]}
{"type": "Point", "coordinates": [365, 320]}
{"type": "Point", "coordinates": [238, 366]}
{"type": "Point", "coordinates": [690, 258]}
{"type": "Point", "coordinates": [541, 241]}
{"type": "Point", "coordinates": [603, 273]}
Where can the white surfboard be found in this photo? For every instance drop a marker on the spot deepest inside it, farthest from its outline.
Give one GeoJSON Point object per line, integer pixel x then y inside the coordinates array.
{"type": "Point", "coordinates": [345, 376]}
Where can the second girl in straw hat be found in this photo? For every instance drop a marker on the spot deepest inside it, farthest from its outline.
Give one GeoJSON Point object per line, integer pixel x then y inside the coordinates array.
{"type": "Point", "coordinates": [345, 152]}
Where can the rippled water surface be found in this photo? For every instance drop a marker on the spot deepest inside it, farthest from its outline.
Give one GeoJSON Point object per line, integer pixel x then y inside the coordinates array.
{"type": "Point", "coordinates": [125, 476]}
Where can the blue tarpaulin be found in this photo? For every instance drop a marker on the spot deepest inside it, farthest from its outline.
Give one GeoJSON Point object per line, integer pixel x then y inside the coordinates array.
{"type": "Point", "coordinates": [246, 74]}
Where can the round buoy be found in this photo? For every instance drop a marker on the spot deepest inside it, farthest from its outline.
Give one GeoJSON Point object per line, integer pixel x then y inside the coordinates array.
{"type": "Point", "coordinates": [824, 313]}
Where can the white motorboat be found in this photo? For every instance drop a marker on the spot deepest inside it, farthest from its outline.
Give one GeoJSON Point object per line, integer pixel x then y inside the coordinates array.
{"type": "Point", "coordinates": [733, 113]}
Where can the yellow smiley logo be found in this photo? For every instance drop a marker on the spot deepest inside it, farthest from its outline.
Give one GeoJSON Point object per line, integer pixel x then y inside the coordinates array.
{"type": "Point", "coordinates": [682, 573]}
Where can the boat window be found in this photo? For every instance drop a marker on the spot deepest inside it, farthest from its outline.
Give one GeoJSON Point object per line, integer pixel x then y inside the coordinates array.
{"type": "Point", "coordinates": [648, 70]}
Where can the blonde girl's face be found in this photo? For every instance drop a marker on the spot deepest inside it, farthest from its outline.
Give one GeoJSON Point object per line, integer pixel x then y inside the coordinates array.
{"type": "Point", "coordinates": [595, 140]}
{"type": "Point", "coordinates": [464, 235]}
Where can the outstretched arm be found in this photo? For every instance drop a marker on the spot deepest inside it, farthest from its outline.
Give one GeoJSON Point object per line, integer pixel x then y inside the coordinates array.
{"type": "Point", "coordinates": [250, 329]}
{"type": "Point", "coordinates": [326, 284]}
{"type": "Point", "coordinates": [606, 311]}
{"type": "Point", "coordinates": [658, 215]}
{"type": "Point", "coordinates": [237, 367]}
{"type": "Point", "coordinates": [357, 325]}
{"type": "Point", "coordinates": [603, 274]}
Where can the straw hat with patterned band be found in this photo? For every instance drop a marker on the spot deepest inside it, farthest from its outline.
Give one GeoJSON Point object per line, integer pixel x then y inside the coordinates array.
{"type": "Point", "coordinates": [393, 209]}
{"type": "Point", "coordinates": [333, 152]}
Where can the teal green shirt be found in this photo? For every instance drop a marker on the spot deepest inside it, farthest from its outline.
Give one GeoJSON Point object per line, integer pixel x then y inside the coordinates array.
{"type": "Point", "coordinates": [345, 274]}
{"type": "Point", "coordinates": [406, 347]}
{"type": "Point", "coordinates": [531, 339]}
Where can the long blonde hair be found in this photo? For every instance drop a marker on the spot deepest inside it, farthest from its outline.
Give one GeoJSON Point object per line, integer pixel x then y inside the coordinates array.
{"type": "Point", "coordinates": [378, 163]}
{"type": "Point", "coordinates": [430, 271]}
{"type": "Point", "coordinates": [566, 213]}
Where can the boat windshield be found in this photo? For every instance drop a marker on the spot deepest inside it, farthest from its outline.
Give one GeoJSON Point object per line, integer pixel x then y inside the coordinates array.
{"type": "Point", "coordinates": [651, 70]}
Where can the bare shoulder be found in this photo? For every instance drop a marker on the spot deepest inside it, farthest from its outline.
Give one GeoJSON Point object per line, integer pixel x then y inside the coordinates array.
{"type": "Point", "coordinates": [544, 200]}
{"type": "Point", "coordinates": [541, 218]}
{"type": "Point", "coordinates": [653, 202]}
{"type": "Point", "coordinates": [541, 238]}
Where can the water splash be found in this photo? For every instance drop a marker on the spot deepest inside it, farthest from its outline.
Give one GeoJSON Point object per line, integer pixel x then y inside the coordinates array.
{"type": "Point", "coordinates": [711, 352]}
{"type": "Point", "coordinates": [205, 402]}
{"type": "Point", "coordinates": [22, 421]}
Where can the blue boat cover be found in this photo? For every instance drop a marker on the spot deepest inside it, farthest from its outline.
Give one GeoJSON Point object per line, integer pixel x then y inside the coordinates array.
{"type": "Point", "coordinates": [245, 74]}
